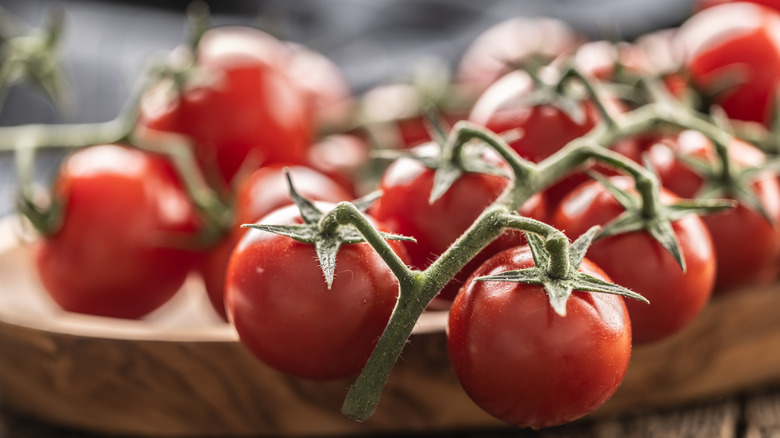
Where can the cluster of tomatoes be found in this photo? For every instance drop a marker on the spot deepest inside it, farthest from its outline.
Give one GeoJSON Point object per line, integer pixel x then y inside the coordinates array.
{"type": "Point", "coordinates": [251, 109]}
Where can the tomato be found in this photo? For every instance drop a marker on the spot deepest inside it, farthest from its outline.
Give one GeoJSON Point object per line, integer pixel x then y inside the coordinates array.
{"type": "Point", "coordinates": [404, 209]}
{"type": "Point", "coordinates": [343, 157]}
{"type": "Point", "coordinates": [395, 115]}
{"type": "Point", "coordinates": [525, 364]}
{"type": "Point", "coordinates": [544, 128]}
{"type": "Point", "coordinates": [598, 58]}
{"type": "Point", "coordinates": [734, 44]}
{"type": "Point", "coordinates": [241, 110]}
{"type": "Point", "coordinates": [278, 301]}
{"type": "Point", "coordinates": [264, 191]}
{"type": "Point", "coordinates": [746, 244]}
{"type": "Point", "coordinates": [329, 93]}
{"type": "Point", "coordinates": [493, 53]}
{"type": "Point", "coordinates": [122, 248]}
{"type": "Point", "coordinates": [637, 261]}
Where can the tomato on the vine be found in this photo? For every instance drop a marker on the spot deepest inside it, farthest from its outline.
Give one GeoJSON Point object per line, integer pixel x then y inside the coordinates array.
{"type": "Point", "coordinates": [126, 241]}
{"type": "Point", "coordinates": [525, 364]}
{"type": "Point", "coordinates": [241, 109]}
{"type": "Point", "coordinates": [404, 208]}
{"type": "Point", "coordinates": [639, 262]}
{"type": "Point", "coordinates": [278, 301]}
{"type": "Point", "coordinates": [264, 191]}
{"type": "Point", "coordinates": [732, 54]}
{"type": "Point", "coordinates": [542, 128]}
{"type": "Point", "coordinates": [746, 243]}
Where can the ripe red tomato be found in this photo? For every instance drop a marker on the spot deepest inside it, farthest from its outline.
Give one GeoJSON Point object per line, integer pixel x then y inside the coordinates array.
{"type": "Point", "coordinates": [637, 261]}
{"type": "Point", "coordinates": [264, 191]}
{"type": "Point", "coordinates": [525, 364]}
{"type": "Point", "coordinates": [746, 244]}
{"type": "Point", "coordinates": [544, 128]}
{"type": "Point", "coordinates": [735, 43]}
{"type": "Point", "coordinates": [277, 298]}
{"type": "Point", "coordinates": [509, 43]}
{"type": "Point", "coordinates": [122, 248]}
{"type": "Point", "coordinates": [404, 209]}
{"type": "Point", "coordinates": [241, 108]}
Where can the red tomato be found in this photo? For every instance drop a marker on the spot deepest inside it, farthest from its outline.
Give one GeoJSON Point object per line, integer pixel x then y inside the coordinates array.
{"type": "Point", "coordinates": [637, 261]}
{"type": "Point", "coordinates": [277, 298]}
{"type": "Point", "coordinates": [737, 43]}
{"type": "Point", "coordinates": [395, 116]}
{"type": "Point", "coordinates": [264, 191]}
{"type": "Point", "coordinates": [404, 209]}
{"type": "Point", "coordinates": [329, 92]}
{"type": "Point", "coordinates": [343, 157]}
{"type": "Point", "coordinates": [746, 245]}
{"type": "Point", "coordinates": [493, 53]}
{"type": "Point", "coordinates": [525, 364]}
{"type": "Point", "coordinates": [544, 128]}
{"type": "Point", "coordinates": [121, 251]}
{"type": "Point", "coordinates": [243, 109]}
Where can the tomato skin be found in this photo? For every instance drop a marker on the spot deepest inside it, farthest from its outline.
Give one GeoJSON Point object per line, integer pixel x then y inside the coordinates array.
{"type": "Point", "coordinates": [741, 37]}
{"type": "Point", "coordinates": [121, 251]}
{"type": "Point", "coordinates": [245, 110]}
{"type": "Point", "coordinates": [264, 191]}
{"type": "Point", "coordinates": [739, 264]}
{"type": "Point", "coordinates": [277, 298]}
{"type": "Point", "coordinates": [404, 209]}
{"type": "Point", "coordinates": [637, 261]}
{"type": "Point", "coordinates": [525, 364]}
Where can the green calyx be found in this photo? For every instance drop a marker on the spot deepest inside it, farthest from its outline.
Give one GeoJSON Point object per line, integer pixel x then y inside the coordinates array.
{"type": "Point", "coordinates": [659, 223]}
{"type": "Point", "coordinates": [452, 160]}
{"type": "Point", "coordinates": [560, 287]}
{"type": "Point", "coordinates": [32, 57]}
{"type": "Point", "coordinates": [323, 230]}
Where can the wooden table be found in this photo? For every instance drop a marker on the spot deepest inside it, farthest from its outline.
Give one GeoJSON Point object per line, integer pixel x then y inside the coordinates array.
{"type": "Point", "coordinates": [752, 415]}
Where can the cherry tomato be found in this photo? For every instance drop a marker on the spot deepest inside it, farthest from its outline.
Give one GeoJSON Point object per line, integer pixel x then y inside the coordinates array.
{"type": "Point", "coordinates": [734, 46]}
{"type": "Point", "coordinates": [404, 209]}
{"type": "Point", "coordinates": [264, 191]}
{"type": "Point", "coordinates": [395, 115]}
{"type": "Point", "coordinates": [544, 128]}
{"type": "Point", "coordinates": [122, 248]}
{"type": "Point", "coordinates": [242, 110]}
{"type": "Point", "coordinates": [277, 298]}
{"type": "Point", "coordinates": [746, 244]}
{"type": "Point", "coordinates": [343, 157]}
{"type": "Point", "coordinates": [507, 44]}
{"type": "Point", "coordinates": [329, 93]}
{"type": "Point", "coordinates": [525, 364]}
{"type": "Point", "coordinates": [637, 261]}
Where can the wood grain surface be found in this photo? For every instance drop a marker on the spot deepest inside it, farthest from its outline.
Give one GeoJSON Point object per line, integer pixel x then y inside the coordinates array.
{"type": "Point", "coordinates": [182, 372]}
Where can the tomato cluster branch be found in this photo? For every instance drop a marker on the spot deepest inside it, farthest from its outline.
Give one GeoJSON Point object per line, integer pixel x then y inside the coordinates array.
{"type": "Point", "coordinates": [418, 288]}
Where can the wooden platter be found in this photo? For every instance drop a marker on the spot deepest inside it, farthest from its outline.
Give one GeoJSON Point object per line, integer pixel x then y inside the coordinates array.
{"type": "Point", "coordinates": [182, 372]}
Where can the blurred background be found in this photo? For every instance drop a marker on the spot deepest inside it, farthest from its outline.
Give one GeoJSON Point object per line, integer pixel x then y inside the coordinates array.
{"type": "Point", "coordinates": [106, 44]}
